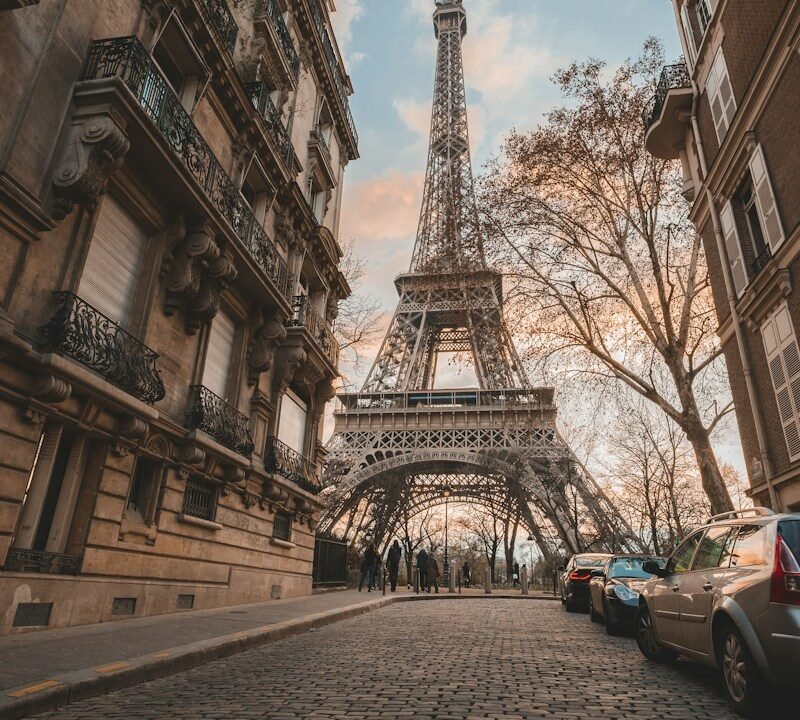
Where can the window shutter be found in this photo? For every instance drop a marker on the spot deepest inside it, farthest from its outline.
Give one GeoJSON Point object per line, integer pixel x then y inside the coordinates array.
{"type": "Point", "coordinates": [765, 200]}
{"type": "Point", "coordinates": [292, 422]}
{"type": "Point", "coordinates": [691, 45]}
{"type": "Point", "coordinates": [113, 263]}
{"type": "Point", "coordinates": [720, 96]}
{"type": "Point", "coordinates": [734, 248]}
{"type": "Point", "coordinates": [783, 358]}
{"type": "Point", "coordinates": [219, 355]}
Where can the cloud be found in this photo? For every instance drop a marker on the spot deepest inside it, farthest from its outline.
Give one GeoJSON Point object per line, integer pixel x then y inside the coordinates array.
{"type": "Point", "coordinates": [416, 115]}
{"type": "Point", "coordinates": [348, 12]}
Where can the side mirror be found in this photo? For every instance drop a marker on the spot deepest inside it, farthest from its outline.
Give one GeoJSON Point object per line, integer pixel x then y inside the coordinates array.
{"type": "Point", "coordinates": [598, 573]}
{"type": "Point", "coordinates": [652, 567]}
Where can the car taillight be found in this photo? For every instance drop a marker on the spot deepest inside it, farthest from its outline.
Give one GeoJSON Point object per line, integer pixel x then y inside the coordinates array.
{"type": "Point", "coordinates": [785, 576]}
{"type": "Point", "coordinates": [580, 575]}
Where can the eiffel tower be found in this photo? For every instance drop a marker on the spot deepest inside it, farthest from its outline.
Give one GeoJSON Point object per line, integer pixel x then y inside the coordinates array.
{"type": "Point", "coordinates": [401, 446]}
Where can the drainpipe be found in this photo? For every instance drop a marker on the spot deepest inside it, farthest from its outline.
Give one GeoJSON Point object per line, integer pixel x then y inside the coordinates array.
{"type": "Point", "coordinates": [729, 287]}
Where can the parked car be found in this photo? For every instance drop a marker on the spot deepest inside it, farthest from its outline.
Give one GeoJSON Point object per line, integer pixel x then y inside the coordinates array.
{"type": "Point", "coordinates": [729, 597]}
{"type": "Point", "coordinates": [614, 590]}
{"type": "Point", "coordinates": [575, 576]}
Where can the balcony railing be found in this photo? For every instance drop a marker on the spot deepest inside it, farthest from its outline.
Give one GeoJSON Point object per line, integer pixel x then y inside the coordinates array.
{"type": "Point", "coordinates": [281, 459]}
{"type": "Point", "coordinates": [127, 59]}
{"type": "Point", "coordinates": [260, 95]}
{"type": "Point", "coordinates": [673, 77]}
{"type": "Point", "coordinates": [761, 261]}
{"type": "Point", "coordinates": [273, 12]}
{"type": "Point", "coordinates": [222, 21]}
{"type": "Point", "coordinates": [211, 414]}
{"type": "Point", "coordinates": [36, 561]}
{"type": "Point", "coordinates": [305, 315]}
{"type": "Point", "coordinates": [537, 399]}
{"type": "Point", "coordinates": [83, 333]}
{"type": "Point", "coordinates": [323, 143]}
{"type": "Point", "coordinates": [333, 64]}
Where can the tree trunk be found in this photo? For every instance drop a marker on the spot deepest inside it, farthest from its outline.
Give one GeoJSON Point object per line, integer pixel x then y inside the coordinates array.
{"type": "Point", "coordinates": [712, 480]}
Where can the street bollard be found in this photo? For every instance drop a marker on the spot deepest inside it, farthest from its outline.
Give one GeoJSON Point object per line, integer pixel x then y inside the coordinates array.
{"type": "Point", "coordinates": [524, 581]}
{"type": "Point", "coordinates": [452, 580]}
{"type": "Point", "coordinates": [415, 573]}
{"type": "Point", "coordinates": [458, 574]}
{"type": "Point", "coordinates": [488, 586]}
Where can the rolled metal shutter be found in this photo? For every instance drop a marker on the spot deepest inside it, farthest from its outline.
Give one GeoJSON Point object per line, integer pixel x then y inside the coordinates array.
{"type": "Point", "coordinates": [113, 263]}
{"type": "Point", "coordinates": [217, 368]}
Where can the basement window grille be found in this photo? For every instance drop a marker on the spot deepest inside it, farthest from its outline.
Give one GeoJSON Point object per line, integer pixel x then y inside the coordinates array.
{"type": "Point", "coordinates": [199, 500]}
{"type": "Point", "coordinates": [32, 615]}
{"type": "Point", "coordinates": [282, 526]}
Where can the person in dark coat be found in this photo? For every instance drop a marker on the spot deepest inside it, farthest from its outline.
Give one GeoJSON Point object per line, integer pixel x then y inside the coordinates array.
{"type": "Point", "coordinates": [394, 556]}
{"type": "Point", "coordinates": [422, 568]}
{"type": "Point", "coordinates": [465, 573]}
{"type": "Point", "coordinates": [516, 574]}
{"type": "Point", "coordinates": [368, 566]}
{"type": "Point", "coordinates": [433, 572]}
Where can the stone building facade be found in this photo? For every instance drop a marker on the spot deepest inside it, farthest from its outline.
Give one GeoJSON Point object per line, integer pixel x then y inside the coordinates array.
{"type": "Point", "coordinates": [729, 114]}
{"type": "Point", "coordinates": [170, 188]}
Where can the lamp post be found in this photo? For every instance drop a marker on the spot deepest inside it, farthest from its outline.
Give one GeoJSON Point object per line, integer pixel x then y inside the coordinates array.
{"type": "Point", "coordinates": [446, 492]}
{"type": "Point", "coordinates": [531, 540]}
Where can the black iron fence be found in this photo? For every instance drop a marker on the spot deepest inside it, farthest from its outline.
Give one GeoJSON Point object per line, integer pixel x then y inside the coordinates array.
{"type": "Point", "coordinates": [305, 315]}
{"type": "Point", "coordinates": [219, 15]}
{"type": "Point", "coordinates": [83, 333]}
{"type": "Point", "coordinates": [127, 59]}
{"type": "Point", "coordinates": [199, 500]}
{"type": "Point", "coordinates": [761, 261]}
{"type": "Point", "coordinates": [672, 77]}
{"type": "Point", "coordinates": [280, 458]}
{"type": "Point", "coordinates": [273, 12]}
{"type": "Point", "coordinates": [260, 95]}
{"type": "Point", "coordinates": [211, 414]}
{"type": "Point", "coordinates": [330, 562]}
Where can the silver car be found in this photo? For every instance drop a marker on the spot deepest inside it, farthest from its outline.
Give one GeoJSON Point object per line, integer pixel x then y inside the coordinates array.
{"type": "Point", "coordinates": [729, 597]}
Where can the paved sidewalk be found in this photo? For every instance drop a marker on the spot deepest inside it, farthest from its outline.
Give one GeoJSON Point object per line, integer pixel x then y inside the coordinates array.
{"type": "Point", "coordinates": [47, 669]}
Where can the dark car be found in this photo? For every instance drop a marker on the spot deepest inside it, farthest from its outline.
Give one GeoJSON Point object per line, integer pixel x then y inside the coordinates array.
{"type": "Point", "coordinates": [575, 579]}
{"type": "Point", "coordinates": [614, 590]}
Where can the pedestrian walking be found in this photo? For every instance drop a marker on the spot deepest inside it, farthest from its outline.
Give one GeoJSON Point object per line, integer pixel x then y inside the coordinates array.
{"type": "Point", "coordinates": [433, 572]}
{"type": "Point", "coordinates": [394, 556]}
{"type": "Point", "coordinates": [369, 564]}
{"type": "Point", "coordinates": [465, 573]}
{"type": "Point", "coordinates": [516, 574]}
{"type": "Point", "coordinates": [422, 569]}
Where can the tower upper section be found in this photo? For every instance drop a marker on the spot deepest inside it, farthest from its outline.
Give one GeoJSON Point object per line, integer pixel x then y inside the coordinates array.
{"type": "Point", "coordinates": [450, 15]}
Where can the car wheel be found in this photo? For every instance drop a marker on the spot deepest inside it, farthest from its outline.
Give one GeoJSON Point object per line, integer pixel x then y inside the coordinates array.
{"type": "Point", "coordinates": [647, 640]}
{"type": "Point", "coordinates": [571, 607]}
{"type": "Point", "coordinates": [744, 684]}
{"type": "Point", "coordinates": [611, 627]}
{"type": "Point", "coordinates": [593, 615]}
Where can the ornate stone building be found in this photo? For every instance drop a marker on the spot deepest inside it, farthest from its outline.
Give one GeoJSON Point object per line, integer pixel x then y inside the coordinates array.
{"type": "Point", "coordinates": [170, 187]}
{"type": "Point", "coordinates": [729, 114]}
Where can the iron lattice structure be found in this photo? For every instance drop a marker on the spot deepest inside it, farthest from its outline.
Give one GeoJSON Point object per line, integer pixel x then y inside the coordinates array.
{"type": "Point", "coordinates": [399, 442]}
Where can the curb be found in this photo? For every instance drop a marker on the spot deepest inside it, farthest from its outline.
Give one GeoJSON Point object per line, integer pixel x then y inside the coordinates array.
{"type": "Point", "coordinates": [61, 690]}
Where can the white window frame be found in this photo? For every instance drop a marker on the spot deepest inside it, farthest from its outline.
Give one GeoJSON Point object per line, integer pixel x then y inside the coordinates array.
{"type": "Point", "coordinates": [783, 359]}
{"type": "Point", "coordinates": [720, 96]}
{"type": "Point", "coordinates": [733, 247]}
{"type": "Point", "coordinates": [705, 13]}
{"type": "Point", "coordinates": [688, 34]}
{"type": "Point", "coordinates": [766, 203]}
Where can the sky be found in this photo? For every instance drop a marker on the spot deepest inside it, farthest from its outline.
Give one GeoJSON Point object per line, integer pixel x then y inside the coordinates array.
{"type": "Point", "coordinates": [511, 51]}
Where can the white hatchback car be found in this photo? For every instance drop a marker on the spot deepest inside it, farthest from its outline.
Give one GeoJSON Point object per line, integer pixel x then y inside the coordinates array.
{"type": "Point", "coordinates": [729, 597]}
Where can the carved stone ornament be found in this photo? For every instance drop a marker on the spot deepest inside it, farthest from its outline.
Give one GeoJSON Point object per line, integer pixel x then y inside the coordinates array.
{"type": "Point", "coordinates": [132, 427]}
{"type": "Point", "coordinates": [195, 274]}
{"type": "Point", "coordinates": [95, 148]}
{"type": "Point", "coordinates": [266, 335]}
{"type": "Point", "coordinates": [51, 389]}
{"type": "Point", "coordinates": [288, 359]}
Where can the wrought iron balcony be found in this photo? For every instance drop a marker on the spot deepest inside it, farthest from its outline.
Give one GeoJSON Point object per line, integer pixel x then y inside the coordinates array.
{"type": "Point", "coordinates": [260, 95]}
{"type": "Point", "coordinates": [305, 315]}
{"type": "Point", "coordinates": [211, 414]}
{"type": "Point", "coordinates": [83, 333]}
{"type": "Point", "coordinates": [761, 261]}
{"type": "Point", "coordinates": [333, 65]}
{"type": "Point", "coordinates": [127, 59]}
{"type": "Point", "coordinates": [270, 9]}
{"type": "Point", "coordinates": [36, 561]}
{"type": "Point", "coordinates": [280, 458]}
{"type": "Point", "coordinates": [673, 77]}
{"type": "Point", "coordinates": [323, 143]}
{"type": "Point", "coordinates": [219, 15]}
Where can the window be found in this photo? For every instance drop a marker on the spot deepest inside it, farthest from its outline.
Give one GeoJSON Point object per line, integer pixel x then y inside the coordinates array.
{"type": "Point", "coordinates": [200, 500]}
{"type": "Point", "coordinates": [783, 358]}
{"type": "Point", "coordinates": [682, 558]}
{"type": "Point", "coordinates": [720, 96]}
{"type": "Point", "coordinates": [145, 483]}
{"type": "Point", "coordinates": [750, 547]}
{"type": "Point", "coordinates": [282, 526]}
{"type": "Point", "coordinates": [179, 63]}
{"type": "Point", "coordinates": [765, 204]}
{"type": "Point", "coordinates": [714, 550]}
{"type": "Point", "coordinates": [219, 354]}
{"type": "Point", "coordinates": [292, 422]}
{"type": "Point", "coordinates": [748, 200]}
{"type": "Point", "coordinates": [688, 33]}
{"type": "Point", "coordinates": [318, 201]}
{"type": "Point", "coordinates": [704, 14]}
{"type": "Point", "coordinates": [256, 192]}
{"type": "Point", "coordinates": [789, 530]}
{"type": "Point", "coordinates": [113, 262]}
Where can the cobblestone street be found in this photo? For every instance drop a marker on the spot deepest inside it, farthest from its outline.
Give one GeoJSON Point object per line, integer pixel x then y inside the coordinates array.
{"type": "Point", "coordinates": [444, 659]}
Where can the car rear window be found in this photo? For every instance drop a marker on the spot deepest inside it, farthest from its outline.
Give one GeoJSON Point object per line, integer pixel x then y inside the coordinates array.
{"type": "Point", "coordinates": [750, 546]}
{"type": "Point", "coordinates": [790, 531]}
{"type": "Point", "coordinates": [594, 561]}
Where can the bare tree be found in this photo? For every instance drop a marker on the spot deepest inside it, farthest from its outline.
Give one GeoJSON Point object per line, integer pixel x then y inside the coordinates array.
{"type": "Point", "coordinates": [603, 260]}
{"type": "Point", "coordinates": [358, 323]}
{"type": "Point", "coordinates": [487, 527]}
